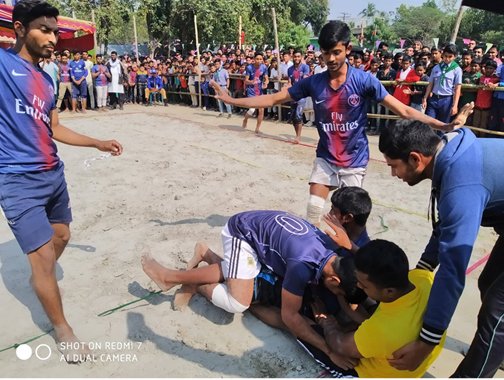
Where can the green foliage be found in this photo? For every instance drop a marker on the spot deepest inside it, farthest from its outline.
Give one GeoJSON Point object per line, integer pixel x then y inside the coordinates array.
{"type": "Point", "coordinates": [421, 22]}
{"type": "Point", "coordinates": [370, 11]}
{"type": "Point", "coordinates": [384, 32]}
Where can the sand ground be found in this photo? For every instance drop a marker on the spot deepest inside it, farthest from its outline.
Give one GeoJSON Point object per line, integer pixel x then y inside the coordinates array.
{"type": "Point", "coordinates": [182, 175]}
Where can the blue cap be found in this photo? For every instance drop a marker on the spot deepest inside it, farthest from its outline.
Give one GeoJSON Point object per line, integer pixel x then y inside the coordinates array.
{"type": "Point", "coordinates": [153, 71]}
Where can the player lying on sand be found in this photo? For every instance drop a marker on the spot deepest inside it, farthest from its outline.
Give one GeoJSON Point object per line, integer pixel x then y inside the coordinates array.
{"type": "Point", "coordinates": [288, 245]}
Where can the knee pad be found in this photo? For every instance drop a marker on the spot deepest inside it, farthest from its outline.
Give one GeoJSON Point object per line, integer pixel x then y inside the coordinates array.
{"type": "Point", "coordinates": [221, 298]}
{"type": "Point", "coordinates": [315, 208]}
{"type": "Point", "coordinates": [251, 111]}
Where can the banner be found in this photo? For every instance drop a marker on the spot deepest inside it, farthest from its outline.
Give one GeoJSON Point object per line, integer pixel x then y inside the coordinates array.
{"type": "Point", "coordinates": [402, 43]}
{"type": "Point", "coordinates": [378, 44]}
{"type": "Point", "coordinates": [281, 47]}
{"type": "Point", "coordinates": [488, 46]}
{"type": "Point", "coordinates": [311, 47]}
{"type": "Point", "coordinates": [436, 42]}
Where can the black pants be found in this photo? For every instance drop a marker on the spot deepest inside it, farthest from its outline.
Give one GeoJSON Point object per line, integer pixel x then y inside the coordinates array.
{"type": "Point", "coordinates": [114, 99]}
{"type": "Point", "coordinates": [324, 360]}
{"type": "Point", "coordinates": [487, 348]}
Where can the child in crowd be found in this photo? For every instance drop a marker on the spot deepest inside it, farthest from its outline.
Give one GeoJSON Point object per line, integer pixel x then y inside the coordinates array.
{"type": "Point", "coordinates": [484, 97]}
{"type": "Point", "coordinates": [204, 90]}
{"type": "Point", "coordinates": [358, 62]}
{"type": "Point", "coordinates": [141, 83]}
{"type": "Point", "coordinates": [406, 75]}
{"type": "Point", "coordinates": [470, 77]}
{"type": "Point", "coordinates": [418, 92]}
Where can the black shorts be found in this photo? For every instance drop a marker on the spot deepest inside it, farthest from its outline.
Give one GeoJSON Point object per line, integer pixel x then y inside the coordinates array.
{"type": "Point", "coordinates": [322, 359]}
{"type": "Point", "coordinates": [268, 289]}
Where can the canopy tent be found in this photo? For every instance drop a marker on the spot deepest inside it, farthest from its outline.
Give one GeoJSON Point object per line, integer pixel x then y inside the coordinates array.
{"type": "Point", "coordinates": [496, 6]}
{"type": "Point", "coordinates": [68, 27]}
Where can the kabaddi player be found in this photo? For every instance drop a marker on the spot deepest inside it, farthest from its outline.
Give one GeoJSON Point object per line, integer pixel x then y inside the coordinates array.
{"type": "Point", "coordinates": [340, 97]}
{"type": "Point", "coordinates": [289, 246]}
{"type": "Point", "coordinates": [34, 197]}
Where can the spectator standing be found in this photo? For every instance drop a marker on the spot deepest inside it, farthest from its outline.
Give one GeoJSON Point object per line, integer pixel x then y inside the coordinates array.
{"type": "Point", "coordinates": [284, 68]}
{"type": "Point", "coordinates": [396, 66]}
{"type": "Point", "coordinates": [192, 86]}
{"type": "Point", "coordinates": [298, 72]}
{"type": "Point", "coordinates": [417, 92]}
{"type": "Point", "coordinates": [445, 86]}
{"type": "Point", "coordinates": [132, 88]}
{"type": "Point", "coordinates": [184, 90]}
{"type": "Point", "coordinates": [478, 52]}
{"type": "Point", "coordinates": [89, 78]}
{"type": "Point", "coordinates": [435, 60]}
{"type": "Point", "coordinates": [387, 73]}
{"type": "Point", "coordinates": [204, 90]}
{"type": "Point", "coordinates": [78, 75]}
{"type": "Point", "coordinates": [141, 83]}
{"type": "Point", "coordinates": [493, 54]}
{"type": "Point", "coordinates": [117, 81]}
{"type": "Point", "coordinates": [52, 69]}
{"type": "Point", "coordinates": [256, 81]}
{"type": "Point", "coordinates": [240, 85]}
{"type": "Point", "coordinates": [484, 97]}
{"type": "Point", "coordinates": [197, 72]}
{"type": "Point", "coordinates": [471, 77]}
{"type": "Point", "coordinates": [321, 67]}
{"type": "Point", "coordinates": [467, 58]}
{"type": "Point", "coordinates": [64, 80]}
{"type": "Point", "coordinates": [221, 77]}
{"type": "Point", "coordinates": [273, 75]}
{"type": "Point", "coordinates": [101, 75]}
{"type": "Point", "coordinates": [406, 75]}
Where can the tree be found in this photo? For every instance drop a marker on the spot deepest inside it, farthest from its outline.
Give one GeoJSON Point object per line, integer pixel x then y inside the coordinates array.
{"type": "Point", "coordinates": [421, 22]}
{"type": "Point", "coordinates": [383, 29]}
{"type": "Point", "coordinates": [369, 11]}
{"type": "Point", "coordinates": [316, 15]}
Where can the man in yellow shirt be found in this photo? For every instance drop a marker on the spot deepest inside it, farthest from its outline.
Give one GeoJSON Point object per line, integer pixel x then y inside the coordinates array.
{"type": "Point", "coordinates": [383, 273]}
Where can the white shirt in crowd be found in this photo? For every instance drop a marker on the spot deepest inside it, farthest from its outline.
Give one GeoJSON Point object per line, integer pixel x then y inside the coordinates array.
{"type": "Point", "coordinates": [89, 66]}
{"type": "Point", "coordinates": [274, 75]}
{"type": "Point", "coordinates": [52, 69]}
{"type": "Point", "coordinates": [319, 69]}
{"type": "Point", "coordinates": [284, 67]}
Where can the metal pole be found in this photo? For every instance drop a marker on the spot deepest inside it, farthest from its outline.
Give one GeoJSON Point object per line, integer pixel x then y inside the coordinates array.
{"type": "Point", "coordinates": [457, 23]}
{"type": "Point", "coordinates": [136, 38]}
{"type": "Point", "coordinates": [198, 55]}
{"type": "Point", "coordinates": [94, 34]}
{"type": "Point", "coordinates": [239, 32]}
{"type": "Point", "coordinates": [278, 57]}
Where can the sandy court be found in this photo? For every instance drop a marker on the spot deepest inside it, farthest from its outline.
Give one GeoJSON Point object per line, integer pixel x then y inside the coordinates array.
{"type": "Point", "coordinates": [179, 180]}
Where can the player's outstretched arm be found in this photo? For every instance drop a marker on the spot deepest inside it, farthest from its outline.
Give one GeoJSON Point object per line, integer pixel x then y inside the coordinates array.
{"type": "Point", "coordinates": [263, 101]}
{"type": "Point", "coordinates": [67, 136]}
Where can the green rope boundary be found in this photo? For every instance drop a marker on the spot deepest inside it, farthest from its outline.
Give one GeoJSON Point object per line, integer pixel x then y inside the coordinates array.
{"type": "Point", "coordinates": [103, 314]}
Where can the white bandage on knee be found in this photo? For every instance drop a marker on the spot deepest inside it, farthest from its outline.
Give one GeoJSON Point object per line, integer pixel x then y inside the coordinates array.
{"type": "Point", "coordinates": [315, 208]}
{"type": "Point", "coordinates": [221, 298]}
{"type": "Point", "coordinates": [251, 111]}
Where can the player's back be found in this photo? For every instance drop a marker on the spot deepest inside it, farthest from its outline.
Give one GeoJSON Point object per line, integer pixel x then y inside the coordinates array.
{"type": "Point", "coordinates": [25, 131]}
{"type": "Point", "coordinates": [280, 238]}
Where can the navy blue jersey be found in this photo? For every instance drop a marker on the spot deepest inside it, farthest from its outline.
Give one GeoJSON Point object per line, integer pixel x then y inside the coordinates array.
{"type": "Point", "coordinates": [340, 114]}
{"type": "Point", "coordinates": [289, 246]}
{"type": "Point", "coordinates": [26, 103]}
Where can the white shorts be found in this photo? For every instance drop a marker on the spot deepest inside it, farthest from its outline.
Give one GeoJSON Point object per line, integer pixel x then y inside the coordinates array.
{"type": "Point", "coordinates": [331, 175]}
{"type": "Point", "coordinates": [240, 259]}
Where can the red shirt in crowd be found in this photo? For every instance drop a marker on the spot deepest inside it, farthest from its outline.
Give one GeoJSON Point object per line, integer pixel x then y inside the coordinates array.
{"type": "Point", "coordinates": [484, 97]}
{"type": "Point", "coordinates": [399, 91]}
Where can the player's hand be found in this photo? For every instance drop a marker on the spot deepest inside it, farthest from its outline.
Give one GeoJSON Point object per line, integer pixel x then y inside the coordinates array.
{"type": "Point", "coordinates": [407, 91]}
{"type": "Point", "coordinates": [220, 93]}
{"type": "Point", "coordinates": [461, 118]}
{"type": "Point", "coordinates": [338, 233]}
{"type": "Point", "coordinates": [319, 310]}
{"type": "Point", "coordinates": [343, 362]}
{"type": "Point", "coordinates": [111, 146]}
{"type": "Point", "coordinates": [411, 356]}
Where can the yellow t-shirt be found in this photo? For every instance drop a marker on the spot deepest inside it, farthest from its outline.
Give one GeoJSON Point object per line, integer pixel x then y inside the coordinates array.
{"type": "Point", "coordinates": [392, 326]}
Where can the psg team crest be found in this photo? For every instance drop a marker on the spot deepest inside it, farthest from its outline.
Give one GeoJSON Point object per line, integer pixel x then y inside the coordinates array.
{"type": "Point", "coordinates": [354, 100]}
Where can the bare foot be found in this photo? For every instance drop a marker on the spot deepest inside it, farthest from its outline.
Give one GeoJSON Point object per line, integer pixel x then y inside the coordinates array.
{"type": "Point", "coordinates": [155, 271]}
{"type": "Point", "coordinates": [71, 347]}
{"type": "Point", "coordinates": [244, 124]}
{"type": "Point", "coordinates": [72, 112]}
{"type": "Point", "coordinates": [83, 111]}
{"type": "Point", "coordinates": [199, 251]}
{"type": "Point", "coordinates": [297, 140]}
{"type": "Point", "coordinates": [183, 296]}
{"type": "Point", "coordinates": [257, 131]}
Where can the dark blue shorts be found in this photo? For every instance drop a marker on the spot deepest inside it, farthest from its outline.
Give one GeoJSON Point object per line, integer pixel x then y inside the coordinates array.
{"type": "Point", "coordinates": [79, 90]}
{"type": "Point", "coordinates": [32, 202]}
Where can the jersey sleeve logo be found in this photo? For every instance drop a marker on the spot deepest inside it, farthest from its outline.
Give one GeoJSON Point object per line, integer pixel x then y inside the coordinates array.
{"type": "Point", "coordinates": [354, 100]}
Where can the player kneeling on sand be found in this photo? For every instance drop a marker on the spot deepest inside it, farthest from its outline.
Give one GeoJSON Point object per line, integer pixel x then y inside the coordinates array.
{"type": "Point", "coordinates": [286, 244]}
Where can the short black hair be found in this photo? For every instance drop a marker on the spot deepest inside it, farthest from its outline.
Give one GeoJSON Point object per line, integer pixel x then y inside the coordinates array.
{"type": "Point", "coordinates": [332, 33]}
{"type": "Point", "coordinates": [344, 267]}
{"type": "Point", "coordinates": [433, 49]}
{"type": "Point", "coordinates": [357, 56]}
{"type": "Point", "coordinates": [217, 60]}
{"type": "Point", "coordinates": [64, 55]}
{"type": "Point", "coordinates": [382, 45]}
{"type": "Point", "coordinates": [467, 52]}
{"type": "Point", "coordinates": [492, 63]}
{"type": "Point", "coordinates": [385, 263]}
{"type": "Point", "coordinates": [423, 54]}
{"type": "Point", "coordinates": [99, 56]}
{"type": "Point", "coordinates": [375, 60]}
{"type": "Point", "coordinates": [450, 49]}
{"type": "Point", "coordinates": [406, 136]}
{"type": "Point", "coordinates": [353, 200]}
{"type": "Point", "coordinates": [419, 64]}
{"type": "Point", "coordinates": [76, 51]}
{"type": "Point", "coordinates": [406, 58]}
{"type": "Point", "coordinates": [286, 52]}
{"type": "Point", "coordinates": [113, 52]}
{"type": "Point", "coordinates": [297, 51]}
{"type": "Point", "coordinates": [25, 11]}
{"type": "Point", "coordinates": [398, 55]}
{"type": "Point", "coordinates": [388, 55]}
{"type": "Point", "coordinates": [479, 47]}
{"type": "Point", "coordinates": [259, 53]}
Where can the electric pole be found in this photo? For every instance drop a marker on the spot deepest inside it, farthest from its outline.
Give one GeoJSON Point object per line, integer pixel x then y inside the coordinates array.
{"type": "Point", "coordinates": [345, 15]}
